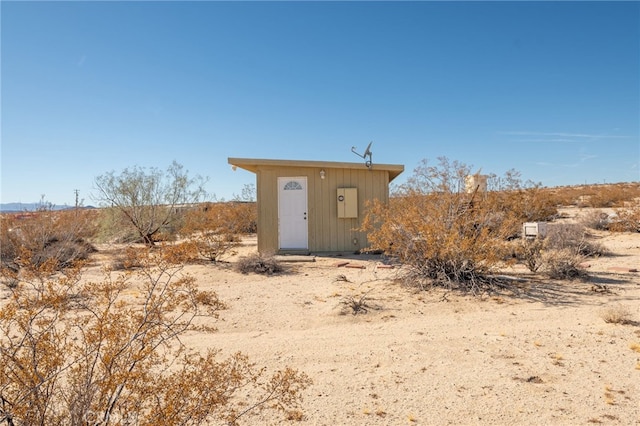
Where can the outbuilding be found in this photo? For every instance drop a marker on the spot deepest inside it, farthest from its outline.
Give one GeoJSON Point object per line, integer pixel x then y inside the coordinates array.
{"type": "Point", "coordinates": [315, 206]}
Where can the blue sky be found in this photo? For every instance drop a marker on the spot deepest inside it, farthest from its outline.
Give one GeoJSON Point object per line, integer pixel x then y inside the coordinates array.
{"type": "Point", "coordinates": [550, 89]}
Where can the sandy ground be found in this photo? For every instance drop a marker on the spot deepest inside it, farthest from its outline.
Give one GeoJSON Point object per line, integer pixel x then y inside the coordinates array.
{"type": "Point", "coordinates": [544, 356]}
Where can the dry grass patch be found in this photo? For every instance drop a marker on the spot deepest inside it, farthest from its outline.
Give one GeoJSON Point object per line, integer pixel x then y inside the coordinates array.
{"type": "Point", "coordinates": [564, 264]}
{"type": "Point", "coordinates": [616, 315]}
{"type": "Point", "coordinates": [356, 305]}
{"type": "Point", "coordinates": [259, 264]}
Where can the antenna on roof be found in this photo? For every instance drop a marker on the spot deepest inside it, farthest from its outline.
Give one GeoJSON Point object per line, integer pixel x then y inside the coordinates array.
{"type": "Point", "coordinates": [367, 153]}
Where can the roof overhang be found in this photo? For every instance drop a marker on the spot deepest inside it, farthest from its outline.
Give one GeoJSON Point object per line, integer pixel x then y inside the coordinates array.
{"type": "Point", "coordinates": [253, 164]}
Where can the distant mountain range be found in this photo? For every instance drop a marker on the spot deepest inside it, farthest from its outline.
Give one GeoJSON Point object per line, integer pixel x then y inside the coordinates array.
{"type": "Point", "coordinates": [30, 207]}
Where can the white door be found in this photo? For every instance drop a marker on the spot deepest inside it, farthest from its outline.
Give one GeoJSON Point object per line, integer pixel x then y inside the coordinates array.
{"type": "Point", "coordinates": [293, 229]}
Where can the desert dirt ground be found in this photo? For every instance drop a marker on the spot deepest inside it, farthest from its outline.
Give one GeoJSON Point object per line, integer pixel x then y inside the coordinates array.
{"type": "Point", "coordinates": [541, 355]}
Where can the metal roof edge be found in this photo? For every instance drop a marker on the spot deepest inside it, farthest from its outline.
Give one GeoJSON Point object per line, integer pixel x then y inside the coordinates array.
{"type": "Point", "coordinates": [252, 164]}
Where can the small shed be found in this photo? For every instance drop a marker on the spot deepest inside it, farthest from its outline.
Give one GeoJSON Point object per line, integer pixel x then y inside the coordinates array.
{"type": "Point", "coordinates": [315, 206]}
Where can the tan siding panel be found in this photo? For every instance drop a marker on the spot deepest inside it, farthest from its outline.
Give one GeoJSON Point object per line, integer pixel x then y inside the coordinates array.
{"type": "Point", "coordinates": [326, 231]}
{"type": "Point", "coordinates": [336, 178]}
{"type": "Point", "coordinates": [324, 225]}
{"type": "Point", "coordinates": [268, 213]}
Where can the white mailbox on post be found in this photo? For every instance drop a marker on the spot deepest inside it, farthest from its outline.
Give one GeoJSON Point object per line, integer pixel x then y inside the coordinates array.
{"type": "Point", "coordinates": [347, 203]}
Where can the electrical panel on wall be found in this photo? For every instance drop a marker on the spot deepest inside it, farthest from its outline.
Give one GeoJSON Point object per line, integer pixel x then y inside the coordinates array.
{"type": "Point", "coordinates": [347, 203]}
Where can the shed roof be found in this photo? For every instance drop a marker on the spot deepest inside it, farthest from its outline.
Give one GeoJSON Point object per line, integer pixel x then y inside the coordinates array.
{"type": "Point", "coordinates": [252, 164]}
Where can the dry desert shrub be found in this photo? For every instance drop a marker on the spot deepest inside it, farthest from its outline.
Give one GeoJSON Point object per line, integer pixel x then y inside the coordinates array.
{"type": "Point", "coordinates": [559, 253]}
{"type": "Point", "coordinates": [432, 236]}
{"type": "Point", "coordinates": [596, 219]}
{"type": "Point", "coordinates": [610, 195]}
{"type": "Point", "coordinates": [127, 259]}
{"type": "Point", "coordinates": [563, 264]}
{"type": "Point", "coordinates": [106, 361]}
{"type": "Point", "coordinates": [617, 314]}
{"type": "Point", "coordinates": [259, 264]}
{"type": "Point", "coordinates": [627, 219]}
{"type": "Point", "coordinates": [624, 219]}
{"type": "Point", "coordinates": [180, 253]}
{"type": "Point", "coordinates": [356, 304]}
{"type": "Point", "coordinates": [215, 247]}
{"type": "Point", "coordinates": [566, 195]}
{"type": "Point", "coordinates": [47, 236]}
{"type": "Point", "coordinates": [556, 263]}
{"type": "Point", "coordinates": [244, 216]}
{"type": "Point", "coordinates": [232, 217]}
{"type": "Point", "coordinates": [9, 241]}
{"type": "Point", "coordinates": [295, 415]}
{"type": "Point", "coordinates": [530, 204]}
{"type": "Point", "coordinates": [215, 227]}
{"type": "Point", "coordinates": [529, 251]}
{"type": "Point", "coordinates": [447, 236]}
{"type": "Point", "coordinates": [573, 237]}
{"type": "Point", "coordinates": [596, 196]}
